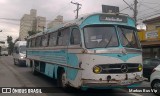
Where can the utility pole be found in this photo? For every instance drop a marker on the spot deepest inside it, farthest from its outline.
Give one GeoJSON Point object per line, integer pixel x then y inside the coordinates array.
{"type": "Point", "coordinates": [135, 10]}
{"type": "Point", "coordinates": [78, 7]}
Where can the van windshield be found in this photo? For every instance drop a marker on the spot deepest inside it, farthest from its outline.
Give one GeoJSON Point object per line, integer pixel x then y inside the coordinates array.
{"type": "Point", "coordinates": [22, 49]}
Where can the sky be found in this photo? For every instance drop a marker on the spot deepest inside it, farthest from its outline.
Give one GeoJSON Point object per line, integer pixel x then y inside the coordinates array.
{"type": "Point", "coordinates": [15, 9]}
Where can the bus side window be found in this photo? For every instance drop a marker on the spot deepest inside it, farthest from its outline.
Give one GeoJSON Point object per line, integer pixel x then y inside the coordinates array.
{"type": "Point", "coordinates": [52, 39]}
{"type": "Point", "coordinates": [44, 40]}
{"type": "Point", "coordinates": [63, 37]}
{"type": "Point", "coordinates": [38, 41]}
{"type": "Point", "coordinates": [33, 42]}
{"type": "Point", "coordinates": [75, 38]}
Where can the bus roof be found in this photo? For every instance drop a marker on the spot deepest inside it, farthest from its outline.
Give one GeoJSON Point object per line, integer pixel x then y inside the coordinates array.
{"type": "Point", "coordinates": [82, 21]}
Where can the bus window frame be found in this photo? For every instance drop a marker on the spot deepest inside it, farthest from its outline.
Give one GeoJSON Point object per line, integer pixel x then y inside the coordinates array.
{"type": "Point", "coordinates": [50, 40]}
{"type": "Point", "coordinates": [60, 36]}
{"type": "Point", "coordinates": [32, 42]}
{"type": "Point", "coordinates": [39, 41]}
{"type": "Point", "coordinates": [80, 40]}
{"type": "Point", "coordinates": [43, 39]}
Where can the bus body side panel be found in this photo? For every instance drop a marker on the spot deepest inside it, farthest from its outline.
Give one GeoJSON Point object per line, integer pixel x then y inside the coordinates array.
{"type": "Point", "coordinates": [74, 74]}
{"type": "Point", "coordinates": [49, 70]}
{"type": "Point", "coordinates": [52, 58]}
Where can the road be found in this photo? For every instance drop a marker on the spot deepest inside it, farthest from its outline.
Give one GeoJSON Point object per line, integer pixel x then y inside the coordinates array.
{"type": "Point", "coordinates": [17, 76]}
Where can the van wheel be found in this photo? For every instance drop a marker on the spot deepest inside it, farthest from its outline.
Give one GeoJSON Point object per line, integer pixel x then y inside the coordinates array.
{"type": "Point", "coordinates": [14, 61]}
{"type": "Point", "coordinates": [156, 85]}
{"type": "Point", "coordinates": [62, 80]}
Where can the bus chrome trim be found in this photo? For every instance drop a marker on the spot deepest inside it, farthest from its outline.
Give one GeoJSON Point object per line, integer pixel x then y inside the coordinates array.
{"type": "Point", "coordinates": [55, 63]}
{"type": "Point", "coordinates": [115, 50]}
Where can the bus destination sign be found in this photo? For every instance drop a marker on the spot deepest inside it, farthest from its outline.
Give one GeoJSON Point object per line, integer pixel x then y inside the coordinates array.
{"type": "Point", "coordinates": [113, 18]}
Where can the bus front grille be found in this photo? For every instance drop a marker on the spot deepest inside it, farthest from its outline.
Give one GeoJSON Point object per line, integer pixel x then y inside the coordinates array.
{"type": "Point", "coordinates": [119, 68]}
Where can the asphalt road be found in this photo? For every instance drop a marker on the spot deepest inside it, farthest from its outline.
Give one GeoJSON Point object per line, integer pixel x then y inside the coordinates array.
{"type": "Point", "coordinates": [16, 76]}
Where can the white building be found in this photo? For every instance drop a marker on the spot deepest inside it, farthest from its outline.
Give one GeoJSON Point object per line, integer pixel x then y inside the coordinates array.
{"type": "Point", "coordinates": [55, 22]}
{"type": "Point", "coordinates": [31, 22]}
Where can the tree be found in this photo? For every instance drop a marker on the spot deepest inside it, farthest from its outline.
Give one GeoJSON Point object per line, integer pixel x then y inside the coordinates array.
{"type": "Point", "coordinates": [10, 44]}
{"type": "Point", "coordinates": [32, 32]}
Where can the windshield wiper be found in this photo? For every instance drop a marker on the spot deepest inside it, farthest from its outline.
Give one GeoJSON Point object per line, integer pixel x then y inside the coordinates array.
{"type": "Point", "coordinates": [126, 38]}
{"type": "Point", "coordinates": [108, 42]}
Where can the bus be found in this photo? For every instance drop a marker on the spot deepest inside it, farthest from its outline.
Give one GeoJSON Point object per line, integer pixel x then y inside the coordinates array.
{"type": "Point", "coordinates": [100, 50]}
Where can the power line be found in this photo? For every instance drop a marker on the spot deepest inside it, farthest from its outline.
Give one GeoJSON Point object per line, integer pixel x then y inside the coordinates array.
{"type": "Point", "coordinates": [126, 8]}
{"type": "Point", "coordinates": [135, 11]}
{"type": "Point", "coordinates": [150, 13]}
{"type": "Point", "coordinates": [150, 2]}
{"type": "Point", "coordinates": [149, 16]}
{"type": "Point", "coordinates": [129, 5]}
{"type": "Point", "coordinates": [149, 8]}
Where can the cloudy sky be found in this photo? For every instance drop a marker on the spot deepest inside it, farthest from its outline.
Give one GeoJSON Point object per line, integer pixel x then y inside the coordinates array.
{"type": "Point", "coordinates": [15, 9]}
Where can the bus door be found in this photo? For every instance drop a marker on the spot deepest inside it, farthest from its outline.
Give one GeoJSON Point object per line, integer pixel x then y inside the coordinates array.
{"type": "Point", "coordinates": [73, 49]}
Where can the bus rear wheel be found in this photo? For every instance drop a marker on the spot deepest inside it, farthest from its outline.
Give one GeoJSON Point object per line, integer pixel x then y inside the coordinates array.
{"type": "Point", "coordinates": [62, 80]}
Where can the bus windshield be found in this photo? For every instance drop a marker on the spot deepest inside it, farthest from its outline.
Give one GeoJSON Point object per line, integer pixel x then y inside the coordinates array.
{"type": "Point", "coordinates": [128, 37]}
{"type": "Point", "coordinates": [22, 49]}
{"type": "Point", "coordinates": [100, 36]}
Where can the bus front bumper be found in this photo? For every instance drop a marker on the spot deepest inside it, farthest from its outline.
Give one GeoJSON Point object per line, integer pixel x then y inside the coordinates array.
{"type": "Point", "coordinates": [112, 83]}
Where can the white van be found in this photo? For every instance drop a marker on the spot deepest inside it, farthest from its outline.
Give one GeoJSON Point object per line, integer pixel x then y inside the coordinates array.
{"type": "Point", "coordinates": [19, 53]}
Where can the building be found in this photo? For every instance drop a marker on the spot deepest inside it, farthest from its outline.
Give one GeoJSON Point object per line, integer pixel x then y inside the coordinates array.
{"type": "Point", "coordinates": [31, 22]}
{"type": "Point", "coordinates": [55, 22]}
{"type": "Point", "coordinates": [150, 39]}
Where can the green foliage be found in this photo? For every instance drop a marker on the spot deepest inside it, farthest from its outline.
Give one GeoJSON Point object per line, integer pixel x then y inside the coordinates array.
{"type": "Point", "coordinates": [32, 32]}
{"type": "Point", "coordinates": [10, 44]}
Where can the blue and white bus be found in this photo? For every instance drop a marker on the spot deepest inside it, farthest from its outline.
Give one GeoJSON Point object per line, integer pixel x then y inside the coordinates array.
{"type": "Point", "coordinates": [95, 51]}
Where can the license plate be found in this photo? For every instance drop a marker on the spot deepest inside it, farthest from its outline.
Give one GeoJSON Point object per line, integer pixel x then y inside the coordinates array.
{"type": "Point", "coordinates": [126, 82]}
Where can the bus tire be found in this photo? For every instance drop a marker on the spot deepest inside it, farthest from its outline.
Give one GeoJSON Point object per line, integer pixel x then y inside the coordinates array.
{"type": "Point", "coordinates": [62, 79]}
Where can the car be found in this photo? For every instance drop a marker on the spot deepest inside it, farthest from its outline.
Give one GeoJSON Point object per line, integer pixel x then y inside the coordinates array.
{"type": "Point", "coordinates": [155, 80]}
{"type": "Point", "coordinates": [148, 65]}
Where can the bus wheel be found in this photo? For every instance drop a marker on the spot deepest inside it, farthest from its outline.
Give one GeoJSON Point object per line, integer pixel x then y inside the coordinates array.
{"type": "Point", "coordinates": [62, 80]}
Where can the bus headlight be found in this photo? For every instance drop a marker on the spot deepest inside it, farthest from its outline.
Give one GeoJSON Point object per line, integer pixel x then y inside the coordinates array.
{"type": "Point", "coordinates": [140, 67]}
{"type": "Point", "coordinates": [97, 69]}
